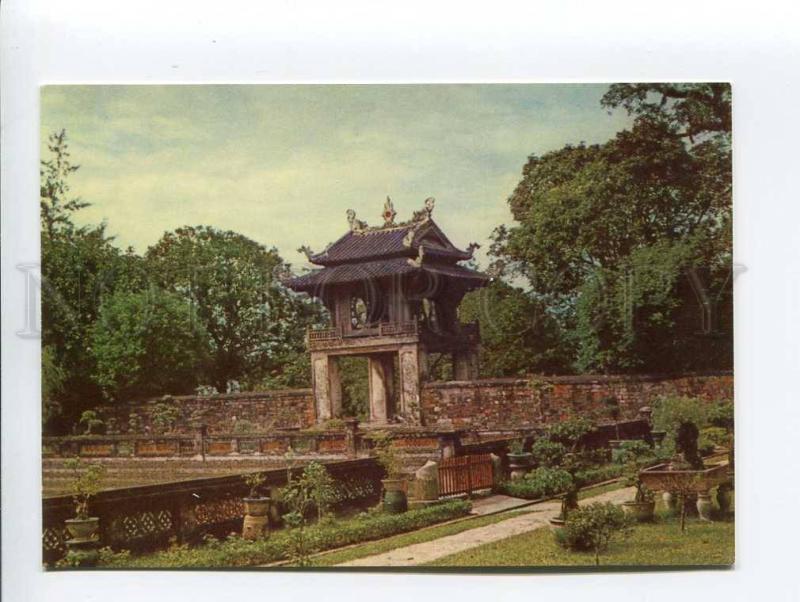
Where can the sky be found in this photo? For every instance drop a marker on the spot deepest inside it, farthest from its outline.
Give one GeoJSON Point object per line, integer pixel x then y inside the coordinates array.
{"type": "Point", "coordinates": [281, 164]}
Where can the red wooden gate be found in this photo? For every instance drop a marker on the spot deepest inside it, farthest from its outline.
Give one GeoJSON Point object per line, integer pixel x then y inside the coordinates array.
{"type": "Point", "coordinates": [465, 474]}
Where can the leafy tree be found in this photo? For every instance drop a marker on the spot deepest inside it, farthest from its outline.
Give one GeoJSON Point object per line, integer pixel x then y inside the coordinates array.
{"type": "Point", "coordinates": [147, 343]}
{"type": "Point", "coordinates": [518, 334]}
{"type": "Point", "coordinates": [79, 267]}
{"type": "Point", "coordinates": [53, 377]}
{"type": "Point", "coordinates": [604, 233]}
{"type": "Point", "coordinates": [234, 283]}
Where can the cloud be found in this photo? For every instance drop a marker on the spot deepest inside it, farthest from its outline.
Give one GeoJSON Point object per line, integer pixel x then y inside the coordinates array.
{"type": "Point", "coordinates": [281, 164]}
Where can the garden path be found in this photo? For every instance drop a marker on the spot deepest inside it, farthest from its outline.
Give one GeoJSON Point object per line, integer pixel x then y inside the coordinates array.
{"type": "Point", "coordinates": [535, 517]}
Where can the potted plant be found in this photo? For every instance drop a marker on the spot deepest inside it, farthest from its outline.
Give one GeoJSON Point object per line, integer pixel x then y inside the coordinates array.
{"type": "Point", "coordinates": [519, 461]}
{"type": "Point", "coordinates": [256, 507]}
{"type": "Point", "coordinates": [85, 485]}
{"type": "Point", "coordinates": [643, 504]}
{"type": "Point", "coordinates": [395, 485]}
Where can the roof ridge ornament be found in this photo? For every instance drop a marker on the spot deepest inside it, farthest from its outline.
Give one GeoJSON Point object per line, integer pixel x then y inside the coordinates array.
{"type": "Point", "coordinates": [424, 214]}
{"type": "Point", "coordinates": [388, 213]}
{"type": "Point", "coordinates": [306, 250]}
{"type": "Point", "coordinates": [419, 259]}
{"type": "Point", "coordinates": [356, 225]}
{"type": "Point", "coordinates": [471, 248]}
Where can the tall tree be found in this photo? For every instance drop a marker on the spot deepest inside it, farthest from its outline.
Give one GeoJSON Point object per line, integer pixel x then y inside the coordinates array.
{"type": "Point", "coordinates": [79, 267]}
{"type": "Point", "coordinates": [588, 218]}
{"type": "Point", "coordinates": [234, 283]}
{"type": "Point", "coordinates": [146, 344]}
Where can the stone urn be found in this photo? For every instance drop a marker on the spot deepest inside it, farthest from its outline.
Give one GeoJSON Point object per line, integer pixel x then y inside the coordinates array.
{"type": "Point", "coordinates": [83, 529]}
{"type": "Point", "coordinates": [670, 501]}
{"type": "Point", "coordinates": [395, 495]}
{"type": "Point", "coordinates": [256, 517]}
{"type": "Point", "coordinates": [704, 506]}
{"type": "Point", "coordinates": [640, 511]}
{"type": "Point", "coordinates": [519, 464]}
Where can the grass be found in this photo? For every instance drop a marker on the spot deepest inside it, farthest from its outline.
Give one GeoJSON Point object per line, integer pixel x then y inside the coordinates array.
{"type": "Point", "coordinates": [659, 543]}
{"type": "Point", "coordinates": [599, 489]}
{"type": "Point", "coordinates": [408, 539]}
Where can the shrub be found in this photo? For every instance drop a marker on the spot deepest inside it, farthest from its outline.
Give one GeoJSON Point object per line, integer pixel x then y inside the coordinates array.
{"type": "Point", "coordinates": [91, 422]}
{"type": "Point", "coordinates": [593, 527]}
{"type": "Point", "coordinates": [570, 432]}
{"type": "Point", "coordinates": [85, 484]}
{"type": "Point", "coordinates": [538, 483]}
{"type": "Point", "coordinates": [633, 449]}
{"type": "Point", "coordinates": [517, 446]}
{"type": "Point", "coordinates": [236, 551]}
{"type": "Point", "coordinates": [165, 415]}
{"type": "Point", "coordinates": [386, 454]}
{"type": "Point", "coordinates": [548, 453]}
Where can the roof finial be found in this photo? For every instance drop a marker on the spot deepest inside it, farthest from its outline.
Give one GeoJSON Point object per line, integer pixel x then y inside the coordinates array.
{"type": "Point", "coordinates": [388, 212]}
{"type": "Point", "coordinates": [429, 203]}
{"type": "Point", "coordinates": [356, 225]}
{"type": "Point", "coordinates": [424, 213]}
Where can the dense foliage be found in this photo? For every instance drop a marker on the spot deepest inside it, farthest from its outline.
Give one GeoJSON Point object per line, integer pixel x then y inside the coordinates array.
{"type": "Point", "coordinates": [146, 343]}
{"type": "Point", "coordinates": [203, 306]}
{"type": "Point", "coordinates": [593, 527]}
{"type": "Point", "coordinates": [618, 239]}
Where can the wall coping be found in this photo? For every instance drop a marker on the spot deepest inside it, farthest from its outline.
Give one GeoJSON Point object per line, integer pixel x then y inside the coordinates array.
{"type": "Point", "coordinates": [243, 396]}
{"type": "Point", "coordinates": [572, 379]}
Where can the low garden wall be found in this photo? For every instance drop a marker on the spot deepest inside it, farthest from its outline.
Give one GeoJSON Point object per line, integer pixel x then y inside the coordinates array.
{"type": "Point", "coordinates": [279, 409]}
{"type": "Point", "coordinates": [498, 403]}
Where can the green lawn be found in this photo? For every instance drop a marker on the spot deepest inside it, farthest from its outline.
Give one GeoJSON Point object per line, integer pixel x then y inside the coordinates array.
{"type": "Point", "coordinates": [407, 539]}
{"type": "Point", "coordinates": [658, 544]}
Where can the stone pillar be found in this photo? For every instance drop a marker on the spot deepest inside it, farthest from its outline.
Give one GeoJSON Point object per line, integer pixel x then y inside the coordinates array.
{"type": "Point", "coordinates": [335, 384]}
{"type": "Point", "coordinates": [321, 385]}
{"type": "Point", "coordinates": [378, 390]}
{"type": "Point", "coordinates": [461, 366]}
{"type": "Point", "coordinates": [465, 365]}
{"type": "Point", "coordinates": [388, 373]}
{"type": "Point", "coordinates": [351, 430]}
{"type": "Point", "coordinates": [410, 383]}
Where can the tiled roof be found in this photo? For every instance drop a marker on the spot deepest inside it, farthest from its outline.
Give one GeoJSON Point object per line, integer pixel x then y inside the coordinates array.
{"type": "Point", "coordinates": [315, 281]}
{"type": "Point", "coordinates": [375, 243]}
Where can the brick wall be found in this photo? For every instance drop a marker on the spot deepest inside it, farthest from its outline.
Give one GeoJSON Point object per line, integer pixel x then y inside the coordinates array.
{"type": "Point", "coordinates": [288, 408]}
{"type": "Point", "coordinates": [503, 403]}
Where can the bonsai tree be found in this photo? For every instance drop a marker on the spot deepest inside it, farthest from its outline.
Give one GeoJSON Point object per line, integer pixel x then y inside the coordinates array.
{"type": "Point", "coordinates": [686, 444]}
{"type": "Point", "coordinates": [254, 481]}
{"type": "Point", "coordinates": [322, 488]}
{"type": "Point", "coordinates": [594, 527]}
{"type": "Point", "coordinates": [548, 453]}
{"type": "Point", "coordinates": [85, 485]}
{"type": "Point", "coordinates": [386, 454]}
{"type": "Point", "coordinates": [91, 422]}
{"type": "Point", "coordinates": [516, 446]}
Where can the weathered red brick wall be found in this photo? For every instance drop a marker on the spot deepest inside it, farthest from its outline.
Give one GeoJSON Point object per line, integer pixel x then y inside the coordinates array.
{"type": "Point", "coordinates": [288, 408]}
{"type": "Point", "coordinates": [505, 403]}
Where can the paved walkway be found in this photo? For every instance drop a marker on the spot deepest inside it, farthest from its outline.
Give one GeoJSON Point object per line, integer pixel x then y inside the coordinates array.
{"type": "Point", "coordinates": [496, 503]}
{"type": "Point", "coordinates": [535, 517]}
